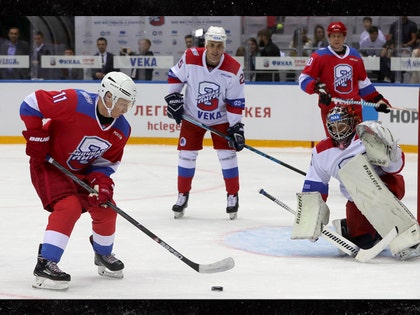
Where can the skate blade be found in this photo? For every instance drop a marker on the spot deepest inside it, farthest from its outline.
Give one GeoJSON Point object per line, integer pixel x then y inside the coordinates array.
{"type": "Point", "coordinates": [103, 271]}
{"type": "Point", "coordinates": [233, 215]}
{"type": "Point", "coordinates": [178, 215]}
{"type": "Point", "coordinates": [48, 284]}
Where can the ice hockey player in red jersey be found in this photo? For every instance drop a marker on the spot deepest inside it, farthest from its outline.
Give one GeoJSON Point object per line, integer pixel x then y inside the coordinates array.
{"type": "Point", "coordinates": [338, 71]}
{"type": "Point", "coordinates": [86, 133]}
{"type": "Point", "coordinates": [214, 96]}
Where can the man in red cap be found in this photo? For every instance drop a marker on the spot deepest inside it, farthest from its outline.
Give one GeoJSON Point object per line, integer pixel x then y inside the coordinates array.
{"type": "Point", "coordinates": [338, 71]}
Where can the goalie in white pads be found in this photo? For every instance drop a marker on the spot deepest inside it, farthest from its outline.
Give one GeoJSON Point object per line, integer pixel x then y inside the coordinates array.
{"type": "Point", "coordinates": [373, 190]}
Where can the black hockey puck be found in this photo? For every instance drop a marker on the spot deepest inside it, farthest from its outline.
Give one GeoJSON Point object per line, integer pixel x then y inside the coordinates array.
{"type": "Point", "coordinates": [217, 288]}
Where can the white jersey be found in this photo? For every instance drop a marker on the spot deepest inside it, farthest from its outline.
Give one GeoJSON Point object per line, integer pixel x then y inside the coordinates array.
{"type": "Point", "coordinates": [328, 159]}
{"type": "Point", "coordinates": [211, 96]}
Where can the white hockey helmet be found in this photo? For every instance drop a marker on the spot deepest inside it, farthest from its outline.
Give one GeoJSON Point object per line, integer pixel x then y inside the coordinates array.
{"type": "Point", "coordinates": [119, 85]}
{"type": "Point", "coordinates": [216, 33]}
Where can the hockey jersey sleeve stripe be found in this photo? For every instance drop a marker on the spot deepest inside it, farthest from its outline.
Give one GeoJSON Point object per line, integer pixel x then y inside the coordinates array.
{"type": "Point", "coordinates": [309, 186]}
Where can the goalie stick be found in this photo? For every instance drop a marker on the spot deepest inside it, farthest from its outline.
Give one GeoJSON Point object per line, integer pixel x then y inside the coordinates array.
{"type": "Point", "coordinates": [362, 255]}
{"type": "Point", "coordinates": [219, 266]}
{"type": "Point", "coordinates": [217, 132]}
{"type": "Point", "coordinates": [369, 104]}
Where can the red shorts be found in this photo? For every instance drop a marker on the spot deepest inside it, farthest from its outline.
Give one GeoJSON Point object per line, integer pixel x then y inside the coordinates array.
{"type": "Point", "coordinates": [191, 137]}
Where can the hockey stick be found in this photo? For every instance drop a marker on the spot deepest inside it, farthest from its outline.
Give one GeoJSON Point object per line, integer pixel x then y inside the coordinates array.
{"type": "Point", "coordinates": [362, 255]}
{"type": "Point", "coordinates": [369, 104]}
{"type": "Point", "coordinates": [217, 132]}
{"type": "Point", "coordinates": [219, 266]}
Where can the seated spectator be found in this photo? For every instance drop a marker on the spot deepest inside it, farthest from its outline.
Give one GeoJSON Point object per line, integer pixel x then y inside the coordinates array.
{"type": "Point", "coordinates": [367, 23]}
{"type": "Point", "coordinates": [269, 49]}
{"type": "Point", "coordinates": [372, 45]}
{"type": "Point", "coordinates": [302, 46]}
{"type": "Point", "coordinates": [406, 36]}
{"type": "Point", "coordinates": [253, 51]}
{"type": "Point", "coordinates": [14, 46]}
{"type": "Point", "coordinates": [189, 41]}
{"type": "Point", "coordinates": [320, 40]}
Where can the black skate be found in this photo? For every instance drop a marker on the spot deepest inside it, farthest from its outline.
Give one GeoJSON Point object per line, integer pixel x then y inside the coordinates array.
{"type": "Point", "coordinates": [180, 205]}
{"type": "Point", "coordinates": [232, 206]}
{"type": "Point", "coordinates": [48, 275]}
{"type": "Point", "coordinates": [108, 265]}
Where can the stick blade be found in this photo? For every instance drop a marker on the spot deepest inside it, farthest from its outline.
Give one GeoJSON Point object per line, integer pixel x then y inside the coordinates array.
{"type": "Point", "coordinates": [218, 266]}
{"type": "Point", "coordinates": [365, 255]}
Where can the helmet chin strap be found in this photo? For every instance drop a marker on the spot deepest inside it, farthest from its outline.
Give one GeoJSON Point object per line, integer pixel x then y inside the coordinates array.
{"type": "Point", "coordinates": [109, 110]}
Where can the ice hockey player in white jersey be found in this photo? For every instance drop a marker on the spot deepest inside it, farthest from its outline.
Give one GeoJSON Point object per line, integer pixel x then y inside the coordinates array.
{"type": "Point", "coordinates": [214, 96]}
{"type": "Point", "coordinates": [366, 160]}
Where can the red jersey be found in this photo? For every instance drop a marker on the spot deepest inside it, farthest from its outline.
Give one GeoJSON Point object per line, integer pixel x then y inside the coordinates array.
{"type": "Point", "coordinates": [78, 140]}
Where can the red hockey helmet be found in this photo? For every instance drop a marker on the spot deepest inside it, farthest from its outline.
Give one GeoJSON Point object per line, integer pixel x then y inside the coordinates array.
{"type": "Point", "coordinates": [337, 27]}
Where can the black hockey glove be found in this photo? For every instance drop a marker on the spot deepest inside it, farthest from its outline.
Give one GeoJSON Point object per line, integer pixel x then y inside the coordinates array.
{"type": "Point", "coordinates": [237, 138]}
{"type": "Point", "coordinates": [324, 95]}
{"type": "Point", "coordinates": [175, 109]}
{"type": "Point", "coordinates": [382, 104]}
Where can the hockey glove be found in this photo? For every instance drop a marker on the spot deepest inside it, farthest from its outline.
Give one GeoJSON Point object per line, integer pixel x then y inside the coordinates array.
{"type": "Point", "coordinates": [104, 186]}
{"type": "Point", "coordinates": [37, 144]}
{"type": "Point", "coordinates": [383, 105]}
{"type": "Point", "coordinates": [324, 95]}
{"type": "Point", "coordinates": [237, 138]}
{"type": "Point", "coordinates": [175, 103]}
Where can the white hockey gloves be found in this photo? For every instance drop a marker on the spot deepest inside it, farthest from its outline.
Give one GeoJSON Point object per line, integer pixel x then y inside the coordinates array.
{"type": "Point", "coordinates": [381, 148]}
{"type": "Point", "coordinates": [312, 214]}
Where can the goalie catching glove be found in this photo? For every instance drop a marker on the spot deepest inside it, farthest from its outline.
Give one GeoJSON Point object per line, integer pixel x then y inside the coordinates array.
{"type": "Point", "coordinates": [37, 144]}
{"type": "Point", "coordinates": [175, 109]}
{"type": "Point", "coordinates": [237, 138]}
{"type": "Point", "coordinates": [324, 96]}
{"type": "Point", "coordinates": [104, 187]}
{"type": "Point", "coordinates": [381, 148]}
{"type": "Point", "coordinates": [312, 214]}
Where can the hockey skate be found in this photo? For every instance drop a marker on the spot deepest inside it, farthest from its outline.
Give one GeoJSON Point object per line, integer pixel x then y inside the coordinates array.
{"type": "Point", "coordinates": [48, 275]}
{"type": "Point", "coordinates": [180, 205]}
{"type": "Point", "coordinates": [108, 265]}
{"type": "Point", "coordinates": [232, 206]}
{"type": "Point", "coordinates": [409, 253]}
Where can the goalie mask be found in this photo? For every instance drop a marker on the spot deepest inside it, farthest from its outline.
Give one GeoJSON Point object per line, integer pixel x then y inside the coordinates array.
{"type": "Point", "coordinates": [341, 125]}
{"type": "Point", "coordinates": [119, 85]}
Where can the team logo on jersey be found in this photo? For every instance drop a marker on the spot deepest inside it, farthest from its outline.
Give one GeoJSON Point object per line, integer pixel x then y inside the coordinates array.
{"type": "Point", "coordinates": [90, 148]}
{"type": "Point", "coordinates": [343, 82]}
{"type": "Point", "coordinates": [208, 96]}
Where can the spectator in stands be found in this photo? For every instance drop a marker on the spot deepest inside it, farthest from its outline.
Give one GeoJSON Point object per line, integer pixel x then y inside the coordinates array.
{"type": "Point", "coordinates": [320, 40]}
{"type": "Point", "coordinates": [415, 75]}
{"type": "Point", "coordinates": [71, 73]}
{"type": "Point", "coordinates": [388, 51]}
{"type": "Point", "coordinates": [253, 51]}
{"type": "Point", "coordinates": [40, 48]}
{"type": "Point", "coordinates": [367, 23]}
{"type": "Point", "coordinates": [373, 44]}
{"type": "Point", "coordinates": [189, 41]}
{"type": "Point", "coordinates": [301, 45]}
{"type": "Point", "coordinates": [269, 49]}
{"type": "Point", "coordinates": [406, 37]}
{"type": "Point", "coordinates": [240, 51]}
{"type": "Point", "coordinates": [14, 47]}
{"type": "Point", "coordinates": [107, 60]}
{"type": "Point", "coordinates": [144, 50]}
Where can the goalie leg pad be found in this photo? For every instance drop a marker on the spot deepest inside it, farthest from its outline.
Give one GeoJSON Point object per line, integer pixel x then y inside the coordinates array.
{"type": "Point", "coordinates": [373, 198]}
{"type": "Point", "coordinates": [311, 215]}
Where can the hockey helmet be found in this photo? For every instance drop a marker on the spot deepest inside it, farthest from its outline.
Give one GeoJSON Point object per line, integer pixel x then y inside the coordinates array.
{"type": "Point", "coordinates": [119, 85]}
{"type": "Point", "coordinates": [336, 27]}
{"type": "Point", "coordinates": [341, 124]}
{"type": "Point", "coordinates": [216, 33]}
